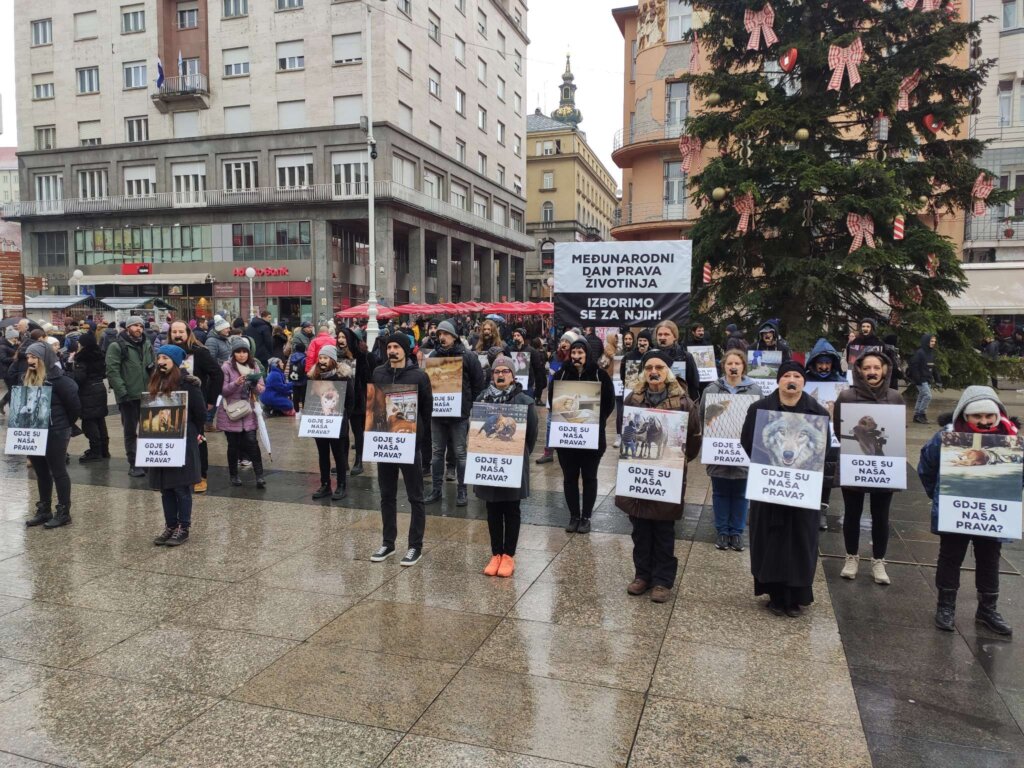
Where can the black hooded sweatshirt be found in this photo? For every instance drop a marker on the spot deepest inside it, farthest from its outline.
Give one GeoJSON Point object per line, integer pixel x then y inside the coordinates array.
{"type": "Point", "coordinates": [590, 372]}
{"type": "Point", "coordinates": [922, 365]}
{"type": "Point", "coordinates": [410, 375]}
{"type": "Point", "coordinates": [780, 343]}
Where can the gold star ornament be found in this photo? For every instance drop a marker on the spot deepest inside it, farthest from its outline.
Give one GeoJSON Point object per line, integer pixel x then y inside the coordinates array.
{"type": "Point", "coordinates": [761, 98]}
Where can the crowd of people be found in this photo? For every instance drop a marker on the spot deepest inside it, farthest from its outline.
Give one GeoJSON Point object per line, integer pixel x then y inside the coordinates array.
{"type": "Point", "coordinates": [234, 372]}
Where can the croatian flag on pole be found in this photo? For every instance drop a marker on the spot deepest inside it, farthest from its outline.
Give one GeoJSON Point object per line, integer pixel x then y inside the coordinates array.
{"type": "Point", "coordinates": [159, 73]}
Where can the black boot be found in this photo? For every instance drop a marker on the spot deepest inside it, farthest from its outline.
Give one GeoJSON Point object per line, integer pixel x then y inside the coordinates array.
{"type": "Point", "coordinates": [584, 526]}
{"type": "Point", "coordinates": [105, 450]}
{"type": "Point", "coordinates": [339, 493]}
{"type": "Point", "coordinates": [261, 482]}
{"type": "Point", "coordinates": [988, 616]}
{"type": "Point", "coordinates": [573, 526]}
{"type": "Point", "coordinates": [945, 610]}
{"type": "Point", "coordinates": [63, 517]}
{"type": "Point", "coordinates": [89, 455]}
{"type": "Point", "coordinates": [323, 491]}
{"type": "Point", "coordinates": [41, 516]}
{"type": "Point", "coordinates": [357, 468]}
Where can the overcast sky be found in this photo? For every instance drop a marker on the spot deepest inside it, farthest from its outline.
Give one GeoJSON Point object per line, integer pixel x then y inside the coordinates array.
{"type": "Point", "coordinates": [584, 28]}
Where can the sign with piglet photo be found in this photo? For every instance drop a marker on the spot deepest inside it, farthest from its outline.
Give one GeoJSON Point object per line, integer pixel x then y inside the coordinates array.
{"type": "Point", "coordinates": [787, 459]}
{"type": "Point", "coordinates": [980, 484]}
{"type": "Point", "coordinates": [873, 446]}
{"type": "Point", "coordinates": [652, 454]}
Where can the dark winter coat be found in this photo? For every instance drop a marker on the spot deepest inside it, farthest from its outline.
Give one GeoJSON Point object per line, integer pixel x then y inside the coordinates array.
{"type": "Point", "coordinates": [780, 343]}
{"type": "Point", "coordinates": [162, 478]}
{"type": "Point", "coordinates": [363, 369]}
{"type": "Point", "coordinates": [922, 365]}
{"type": "Point", "coordinates": [495, 493]}
{"type": "Point", "coordinates": [822, 348]}
{"type": "Point", "coordinates": [410, 375]}
{"type": "Point", "coordinates": [219, 347]}
{"type": "Point", "coordinates": [679, 354]}
{"type": "Point", "coordinates": [207, 370]}
{"type": "Point", "coordinates": [109, 337]}
{"type": "Point", "coordinates": [65, 407]}
{"type": "Point", "coordinates": [129, 363]}
{"type": "Point", "coordinates": [590, 372]}
{"type": "Point", "coordinates": [8, 353]}
{"type": "Point", "coordinates": [262, 333]}
{"type": "Point", "coordinates": [90, 372]}
{"type": "Point", "coordinates": [473, 382]}
{"type": "Point", "coordinates": [860, 392]}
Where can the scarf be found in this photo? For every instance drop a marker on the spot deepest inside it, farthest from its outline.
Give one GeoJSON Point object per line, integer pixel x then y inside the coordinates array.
{"type": "Point", "coordinates": [494, 395]}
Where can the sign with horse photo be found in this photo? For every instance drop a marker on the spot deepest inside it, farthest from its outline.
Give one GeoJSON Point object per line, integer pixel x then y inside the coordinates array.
{"type": "Point", "coordinates": [652, 457]}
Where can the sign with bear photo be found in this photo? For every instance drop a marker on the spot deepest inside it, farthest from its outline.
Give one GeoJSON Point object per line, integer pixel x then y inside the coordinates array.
{"type": "Point", "coordinates": [28, 422]}
{"type": "Point", "coordinates": [323, 411]}
{"type": "Point", "coordinates": [724, 415]}
{"type": "Point", "coordinates": [390, 435]}
{"type": "Point", "coordinates": [787, 459]}
{"type": "Point", "coordinates": [980, 484]}
{"type": "Point", "coordinates": [163, 427]}
{"type": "Point", "coordinates": [873, 446]}
{"type": "Point", "coordinates": [652, 454]}
{"type": "Point", "coordinates": [575, 414]}
{"type": "Point", "coordinates": [496, 444]}
{"type": "Point", "coordinates": [445, 374]}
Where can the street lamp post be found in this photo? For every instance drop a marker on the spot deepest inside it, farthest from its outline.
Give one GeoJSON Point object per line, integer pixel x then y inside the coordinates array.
{"type": "Point", "coordinates": [76, 278]}
{"type": "Point", "coordinates": [250, 273]}
{"type": "Point", "coordinates": [372, 328]}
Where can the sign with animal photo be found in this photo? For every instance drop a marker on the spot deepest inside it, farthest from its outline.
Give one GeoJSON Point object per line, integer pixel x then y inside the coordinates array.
{"type": "Point", "coordinates": [575, 414]}
{"type": "Point", "coordinates": [323, 411]}
{"type": "Point", "coordinates": [521, 368]}
{"type": "Point", "coordinates": [724, 415]}
{"type": "Point", "coordinates": [163, 427]}
{"type": "Point", "coordinates": [763, 367]}
{"type": "Point", "coordinates": [445, 374]}
{"type": "Point", "coordinates": [28, 420]}
{"type": "Point", "coordinates": [615, 373]}
{"type": "Point", "coordinates": [704, 356]}
{"type": "Point", "coordinates": [652, 454]}
{"type": "Point", "coordinates": [787, 459]}
{"type": "Point", "coordinates": [826, 393]}
{"type": "Point", "coordinates": [980, 484]}
{"type": "Point", "coordinates": [390, 434]}
{"type": "Point", "coordinates": [631, 377]}
{"type": "Point", "coordinates": [496, 446]}
{"type": "Point", "coordinates": [873, 446]}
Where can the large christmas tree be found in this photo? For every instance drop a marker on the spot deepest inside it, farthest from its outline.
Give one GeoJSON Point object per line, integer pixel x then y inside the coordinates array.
{"type": "Point", "coordinates": [837, 124]}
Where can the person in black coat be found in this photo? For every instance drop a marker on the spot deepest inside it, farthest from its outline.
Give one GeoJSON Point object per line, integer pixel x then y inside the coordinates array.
{"type": "Point", "coordinates": [347, 340]}
{"type": "Point", "coordinates": [199, 362]}
{"type": "Point", "coordinates": [90, 373]}
{"type": "Point", "coordinates": [262, 333]}
{"type": "Point", "coordinates": [666, 338]}
{"type": "Point", "coordinates": [334, 364]}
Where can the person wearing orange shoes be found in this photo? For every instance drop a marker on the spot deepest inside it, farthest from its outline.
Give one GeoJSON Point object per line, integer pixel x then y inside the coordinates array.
{"type": "Point", "coordinates": [503, 512]}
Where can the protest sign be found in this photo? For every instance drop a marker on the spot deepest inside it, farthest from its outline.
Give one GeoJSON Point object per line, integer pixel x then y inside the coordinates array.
{"type": "Point", "coordinates": [575, 414]}
{"type": "Point", "coordinates": [723, 421]}
{"type": "Point", "coordinates": [787, 460]}
{"type": "Point", "coordinates": [390, 434]}
{"type": "Point", "coordinates": [323, 411]}
{"type": "Point", "coordinates": [163, 429]}
{"type": "Point", "coordinates": [652, 458]}
{"type": "Point", "coordinates": [521, 368]}
{"type": "Point", "coordinates": [873, 446]}
{"type": "Point", "coordinates": [28, 422]}
{"type": "Point", "coordinates": [679, 370]}
{"type": "Point", "coordinates": [763, 367]}
{"type": "Point", "coordinates": [445, 375]}
{"type": "Point", "coordinates": [615, 373]}
{"type": "Point", "coordinates": [496, 445]}
{"type": "Point", "coordinates": [704, 357]}
{"type": "Point", "coordinates": [826, 393]}
{"type": "Point", "coordinates": [980, 484]}
{"type": "Point", "coordinates": [632, 375]}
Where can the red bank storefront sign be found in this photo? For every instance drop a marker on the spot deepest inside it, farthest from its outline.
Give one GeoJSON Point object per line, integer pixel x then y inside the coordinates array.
{"type": "Point", "coordinates": [262, 272]}
{"type": "Point", "coordinates": [137, 269]}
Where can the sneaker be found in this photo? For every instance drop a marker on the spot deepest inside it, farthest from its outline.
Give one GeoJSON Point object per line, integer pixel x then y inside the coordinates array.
{"type": "Point", "coordinates": [637, 587]}
{"type": "Point", "coordinates": [412, 556]}
{"type": "Point", "coordinates": [584, 526]}
{"type": "Point", "coordinates": [618, 442]}
{"type": "Point", "coordinates": [449, 475]}
{"type": "Point", "coordinates": [136, 472]}
{"type": "Point", "coordinates": [878, 572]}
{"type": "Point", "coordinates": [736, 542]}
{"type": "Point", "coordinates": [507, 567]}
{"type": "Point", "coordinates": [660, 594]}
{"type": "Point", "coordinates": [382, 554]}
{"type": "Point", "coordinates": [491, 569]}
{"type": "Point", "coordinates": [850, 567]}
{"type": "Point", "coordinates": [160, 540]}
{"type": "Point", "coordinates": [236, 480]}
{"type": "Point", "coordinates": [200, 487]}
{"type": "Point", "coordinates": [573, 526]}
{"type": "Point", "coordinates": [722, 541]}
{"type": "Point", "coordinates": [88, 456]}
{"type": "Point", "coordinates": [460, 499]}
{"type": "Point", "coordinates": [261, 482]}
{"type": "Point", "coordinates": [245, 464]}
{"type": "Point", "coordinates": [179, 537]}
{"type": "Point", "coordinates": [823, 518]}
{"type": "Point", "coordinates": [547, 458]}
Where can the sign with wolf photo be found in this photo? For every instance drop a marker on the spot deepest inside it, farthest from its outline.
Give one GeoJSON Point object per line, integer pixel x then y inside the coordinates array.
{"type": "Point", "coordinates": [652, 454]}
{"type": "Point", "coordinates": [704, 356]}
{"type": "Point", "coordinates": [724, 415]}
{"type": "Point", "coordinates": [632, 375]}
{"type": "Point", "coordinates": [163, 429]}
{"type": "Point", "coordinates": [575, 414]}
{"type": "Point", "coordinates": [787, 460]}
{"type": "Point", "coordinates": [497, 442]}
{"type": "Point", "coordinates": [390, 434]}
{"type": "Point", "coordinates": [622, 283]}
{"type": "Point", "coordinates": [323, 410]}
{"type": "Point", "coordinates": [614, 372]}
{"type": "Point", "coordinates": [445, 374]}
{"type": "Point", "coordinates": [763, 367]}
{"type": "Point", "coordinates": [28, 421]}
{"type": "Point", "coordinates": [873, 446]}
{"type": "Point", "coordinates": [521, 368]}
{"type": "Point", "coordinates": [980, 484]}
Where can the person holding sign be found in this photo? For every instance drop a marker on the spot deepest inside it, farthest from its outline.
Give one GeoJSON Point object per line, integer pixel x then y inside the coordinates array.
{"type": "Point", "coordinates": [129, 360]}
{"type": "Point", "coordinates": [979, 412]}
{"type": "Point", "coordinates": [243, 383]}
{"type": "Point", "coordinates": [666, 336]}
{"type": "Point", "coordinates": [503, 511]}
{"type": "Point", "coordinates": [43, 370]}
{"type": "Point", "coordinates": [769, 338]}
{"type": "Point", "coordinates": [783, 539]}
{"type": "Point", "coordinates": [329, 368]}
{"type": "Point", "coordinates": [870, 385]}
{"type": "Point", "coordinates": [653, 521]}
{"type": "Point", "coordinates": [176, 483]}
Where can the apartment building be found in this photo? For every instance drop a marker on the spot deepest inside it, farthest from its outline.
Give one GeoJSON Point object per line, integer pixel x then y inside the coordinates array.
{"type": "Point", "coordinates": [8, 175]}
{"type": "Point", "coordinates": [168, 145]}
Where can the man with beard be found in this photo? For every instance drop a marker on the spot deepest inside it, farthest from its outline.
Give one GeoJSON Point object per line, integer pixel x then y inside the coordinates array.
{"type": "Point", "coordinates": [866, 339]}
{"type": "Point", "coordinates": [536, 363]}
{"type": "Point", "coordinates": [635, 356]}
{"type": "Point", "coordinates": [401, 368]}
{"type": "Point", "coordinates": [560, 359]}
{"type": "Point", "coordinates": [129, 361]}
{"type": "Point", "coordinates": [489, 337]}
{"type": "Point", "coordinates": [666, 336]}
{"type": "Point", "coordinates": [769, 338]}
{"type": "Point", "coordinates": [211, 382]}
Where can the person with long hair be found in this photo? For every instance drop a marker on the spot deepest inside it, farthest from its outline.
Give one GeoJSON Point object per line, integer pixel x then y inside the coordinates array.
{"type": "Point", "coordinates": [351, 348]}
{"type": "Point", "coordinates": [243, 383]}
{"type": "Point", "coordinates": [329, 368]}
{"type": "Point", "coordinates": [176, 483]}
{"type": "Point", "coordinates": [490, 336]}
{"type": "Point", "coordinates": [90, 373]}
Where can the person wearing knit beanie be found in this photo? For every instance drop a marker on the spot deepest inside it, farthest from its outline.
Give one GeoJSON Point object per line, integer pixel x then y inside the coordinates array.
{"type": "Point", "coordinates": [329, 351]}
{"type": "Point", "coordinates": [240, 342]}
{"type": "Point", "coordinates": [175, 353]}
{"type": "Point", "coordinates": [790, 366]}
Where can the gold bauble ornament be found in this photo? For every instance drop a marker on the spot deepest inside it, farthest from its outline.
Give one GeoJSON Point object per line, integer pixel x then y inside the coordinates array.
{"type": "Point", "coordinates": [718, 194]}
{"type": "Point", "coordinates": [713, 99]}
{"type": "Point", "coordinates": [802, 134]}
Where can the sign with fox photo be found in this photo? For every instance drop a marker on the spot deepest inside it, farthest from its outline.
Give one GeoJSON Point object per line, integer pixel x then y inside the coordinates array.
{"type": "Point", "coordinates": [873, 446]}
{"type": "Point", "coordinates": [980, 484]}
{"type": "Point", "coordinates": [496, 445]}
{"type": "Point", "coordinates": [28, 421]}
{"type": "Point", "coordinates": [787, 459]}
{"type": "Point", "coordinates": [323, 410]}
{"type": "Point", "coordinates": [163, 429]}
{"type": "Point", "coordinates": [724, 415]}
{"type": "Point", "coordinates": [652, 454]}
{"type": "Point", "coordinates": [575, 414]}
{"type": "Point", "coordinates": [390, 428]}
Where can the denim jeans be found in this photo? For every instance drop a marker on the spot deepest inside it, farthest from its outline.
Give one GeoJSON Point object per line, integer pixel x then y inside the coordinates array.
{"type": "Point", "coordinates": [177, 503]}
{"type": "Point", "coordinates": [441, 430]}
{"type": "Point", "coordinates": [924, 397]}
{"type": "Point", "coordinates": [728, 499]}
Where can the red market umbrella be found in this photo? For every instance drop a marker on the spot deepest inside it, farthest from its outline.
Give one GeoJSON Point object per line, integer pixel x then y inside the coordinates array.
{"type": "Point", "coordinates": [417, 309]}
{"type": "Point", "coordinates": [363, 310]}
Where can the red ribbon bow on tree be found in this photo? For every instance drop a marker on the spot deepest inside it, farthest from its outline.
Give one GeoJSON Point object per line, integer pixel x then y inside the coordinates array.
{"type": "Point", "coordinates": [744, 206]}
{"type": "Point", "coordinates": [980, 191]}
{"type": "Point", "coordinates": [862, 228]}
{"type": "Point", "coordinates": [910, 82]}
{"type": "Point", "coordinates": [694, 53]}
{"type": "Point", "coordinates": [689, 148]}
{"type": "Point", "coordinates": [926, 5]}
{"type": "Point", "coordinates": [932, 265]}
{"type": "Point", "coordinates": [759, 23]}
{"type": "Point", "coordinates": [845, 60]}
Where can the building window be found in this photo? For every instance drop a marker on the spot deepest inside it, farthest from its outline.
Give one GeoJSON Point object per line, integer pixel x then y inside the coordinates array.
{"type": "Point", "coordinates": [49, 187]}
{"type": "Point", "coordinates": [481, 22]}
{"type": "Point", "coordinates": [405, 6]}
{"type": "Point", "coordinates": [348, 109]}
{"type": "Point", "coordinates": [434, 27]}
{"type": "Point", "coordinates": [88, 80]}
{"type": "Point", "coordinates": [185, 124]}
{"type": "Point", "coordinates": [501, 133]}
{"type": "Point", "coordinates": [348, 48]}
{"type": "Point", "coordinates": [134, 74]}
{"type": "Point", "coordinates": [677, 99]}
{"type": "Point", "coordinates": [434, 82]}
{"type": "Point", "coordinates": [240, 175]}
{"type": "Point", "coordinates": [460, 102]}
{"type": "Point", "coordinates": [287, 5]}
{"type": "Point", "coordinates": [481, 163]}
{"type": "Point", "coordinates": [42, 86]}
{"type": "Point", "coordinates": [517, 103]}
{"type": "Point", "coordinates": [405, 117]}
{"type": "Point", "coordinates": [481, 71]}
{"type": "Point", "coordinates": [501, 44]}
{"type": "Point", "coordinates": [236, 62]}
{"type": "Point", "coordinates": [548, 180]}
{"type": "Point", "coordinates": [291, 114]}
{"type": "Point", "coordinates": [632, 61]}
{"type": "Point", "coordinates": [188, 15]}
{"type": "Point", "coordinates": [458, 195]}
{"type": "Point", "coordinates": [133, 19]}
{"type": "Point", "coordinates": [235, 8]}
{"type": "Point", "coordinates": [189, 181]}
{"type": "Point", "coordinates": [140, 181]}
{"type": "Point", "coordinates": [85, 25]}
{"type": "Point", "coordinates": [675, 190]}
{"type": "Point", "coordinates": [403, 57]}
{"type": "Point", "coordinates": [46, 137]}
{"type": "Point", "coordinates": [501, 88]}
{"type": "Point", "coordinates": [189, 67]}
{"type": "Point", "coordinates": [294, 171]}
{"type": "Point", "coordinates": [460, 151]}
{"type": "Point", "coordinates": [501, 174]}
{"type": "Point", "coordinates": [351, 173]}
{"type": "Point", "coordinates": [290, 56]}
{"type": "Point", "coordinates": [136, 129]}
{"type": "Point", "coordinates": [237, 119]}
{"type": "Point", "coordinates": [680, 19]}
{"type": "Point", "coordinates": [51, 249]}
{"type": "Point", "coordinates": [481, 118]}
{"type": "Point", "coordinates": [1005, 103]}
{"type": "Point", "coordinates": [433, 184]}
{"type": "Point", "coordinates": [517, 145]}
{"type": "Point", "coordinates": [42, 32]}
{"type": "Point", "coordinates": [499, 214]}
{"type": "Point", "coordinates": [1009, 14]}
{"type": "Point", "coordinates": [460, 50]}
{"type": "Point", "coordinates": [518, 63]}
{"type": "Point", "coordinates": [92, 185]}
{"type": "Point", "coordinates": [434, 135]}
{"type": "Point", "coordinates": [460, 6]}
{"type": "Point", "coordinates": [403, 171]}
{"type": "Point", "coordinates": [547, 212]}
{"type": "Point", "coordinates": [480, 205]}
{"type": "Point", "coordinates": [517, 185]}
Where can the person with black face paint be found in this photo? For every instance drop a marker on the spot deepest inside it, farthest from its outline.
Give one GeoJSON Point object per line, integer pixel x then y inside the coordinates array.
{"type": "Point", "coordinates": [769, 338]}
{"type": "Point", "coordinates": [824, 363]}
{"type": "Point", "coordinates": [211, 382]}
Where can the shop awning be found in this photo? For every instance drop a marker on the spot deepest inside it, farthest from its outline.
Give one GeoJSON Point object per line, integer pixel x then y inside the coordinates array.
{"type": "Point", "coordinates": [62, 302]}
{"type": "Point", "coordinates": [994, 289]}
{"type": "Point", "coordinates": [121, 303]}
{"type": "Point", "coordinates": [182, 278]}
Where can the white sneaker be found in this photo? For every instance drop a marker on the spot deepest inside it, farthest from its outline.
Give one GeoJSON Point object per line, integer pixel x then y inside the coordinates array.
{"type": "Point", "coordinates": [850, 569]}
{"type": "Point", "coordinates": [617, 442]}
{"type": "Point", "coordinates": [878, 572]}
{"type": "Point", "coordinates": [245, 464]}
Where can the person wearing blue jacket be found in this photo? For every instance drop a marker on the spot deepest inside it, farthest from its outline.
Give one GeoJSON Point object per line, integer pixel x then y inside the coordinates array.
{"type": "Point", "coordinates": [824, 363]}
{"type": "Point", "coordinates": [980, 411]}
{"type": "Point", "coordinates": [278, 394]}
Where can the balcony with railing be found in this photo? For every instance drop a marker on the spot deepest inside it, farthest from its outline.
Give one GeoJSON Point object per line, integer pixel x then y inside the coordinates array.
{"type": "Point", "coordinates": [645, 132]}
{"type": "Point", "coordinates": [1007, 228]}
{"type": "Point", "coordinates": [650, 213]}
{"type": "Point", "coordinates": [183, 92]}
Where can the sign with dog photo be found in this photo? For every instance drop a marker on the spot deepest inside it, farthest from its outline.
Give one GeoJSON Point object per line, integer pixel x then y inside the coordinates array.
{"type": "Point", "coordinates": [163, 425]}
{"type": "Point", "coordinates": [787, 459]}
{"type": "Point", "coordinates": [28, 422]}
{"type": "Point", "coordinates": [873, 446]}
{"type": "Point", "coordinates": [575, 414]}
{"type": "Point", "coordinates": [763, 367]}
{"type": "Point", "coordinates": [652, 454]}
{"type": "Point", "coordinates": [724, 415]}
{"type": "Point", "coordinates": [390, 435]}
{"type": "Point", "coordinates": [445, 374]}
{"type": "Point", "coordinates": [496, 445]}
{"type": "Point", "coordinates": [980, 484]}
{"type": "Point", "coordinates": [323, 411]}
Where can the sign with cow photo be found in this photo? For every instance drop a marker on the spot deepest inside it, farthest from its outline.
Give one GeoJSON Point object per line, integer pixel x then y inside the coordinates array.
{"type": "Point", "coordinates": [724, 415]}
{"type": "Point", "coordinates": [390, 434]}
{"type": "Point", "coordinates": [652, 454]}
{"type": "Point", "coordinates": [980, 484]}
{"type": "Point", "coordinates": [445, 375]}
{"type": "Point", "coordinates": [28, 421]}
{"type": "Point", "coordinates": [163, 425]}
{"type": "Point", "coordinates": [575, 414]}
{"type": "Point", "coordinates": [323, 411]}
{"type": "Point", "coordinates": [873, 446]}
{"type": "Point", "coordinates": [763, 367]}
{"type": "Point", "coordinates": [496, 445]}
{"type": "Point", "coordinates": [787, 459]}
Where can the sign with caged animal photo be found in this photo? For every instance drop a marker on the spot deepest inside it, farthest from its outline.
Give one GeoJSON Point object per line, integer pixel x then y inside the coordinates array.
{"type": "Point", "coordinates": [652, 454]}
{"type": "Point", "coordinates": [390, 436]}
{"type": "Point", "coordinates": [873, 446]}
{"type": "Point", "coordinates": [575, 414]}
{"type": "Point", "coordinates": [28, 422]}
{"type": "Point", "coordinates": [724, 415]}
{"type": "Point", "coordinates": [163, 425]}
{"type": "Point", "coordinates": [980, 484]}
{"type": "Point", "coordinates": [323, 411]}
{"type": "Point", "coordinates": [496, 445]}
{"type": "Point", "coordinates": [787, 459]}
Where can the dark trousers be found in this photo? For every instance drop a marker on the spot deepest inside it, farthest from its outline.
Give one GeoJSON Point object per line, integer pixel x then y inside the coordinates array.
{"type": "Point", "coordinates": [576, 464]}
{"type": "Point", "coordinates": [358, 424]}
{"type": "Point", "coordinates": [177, 503]}
{"type": "Point", "coordinates": [204, 459]}
{"type": "Point", "coordinates": [853, 500]}
{"type": "Point", "coordinates": [654, 543]}
{"type": "Point", "coordinates": [299, 396]}
{"type": "Point", "coordinates": [387, 481]}
{"type": "Point", "coordinates": [503, 521]}
{"type": "Point", "coordinates": [325, 448]}
{"type": "Point", "coordinates": [52, 470]}
{"type": "Point", "coordinates": [445, 432]}
{"type": "Point", "coordinates": [130, 411]}
{"type": "Point", "coordinates": [618, 415]}
{"type": "Point", "coordinates": [953, 550]}
{"type": "Point", "coordinates": [244, 445]}
{"type": "Point", "coordinates": [96, 433]}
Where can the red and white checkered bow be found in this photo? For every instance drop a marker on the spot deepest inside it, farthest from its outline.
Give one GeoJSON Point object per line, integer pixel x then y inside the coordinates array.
{"type": "Point", "coordinates": [980, 191]}
{"type": "Point", "coordinates": [759, 23]}
{"type": "Point", "coordinates": [744, 206]}
{"type": "Point", "coordinates": [926, 5]}
{"type": "Point", "coordinates": [845, 60]}
{"type": "Point", "coordinates": [909, 83]}
{"type": "Point", "coordinates": [694, 53]}
{"type": "Point", "coordinates": [932, 265]}
{"type": "Point", "coordinates": [689, 148]}
{"type": "Point", "coordinates": [862, 228]}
